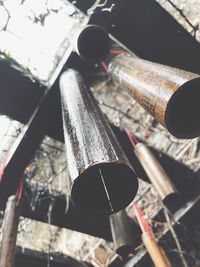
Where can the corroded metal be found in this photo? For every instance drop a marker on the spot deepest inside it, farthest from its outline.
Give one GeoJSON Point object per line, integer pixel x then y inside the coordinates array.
{"type": "Point", "coordinates": [157, 175]}
{"type": "Point", "coordinates": [122, 233]}
{"type": "Point", "coordinates": [9, 231]}
{"type": "Point", "coordinates": [91, 42]}
{"type": "Point", "coordinates": [102, 178]}
{"type": "Point", "coordinates": [170, 95]}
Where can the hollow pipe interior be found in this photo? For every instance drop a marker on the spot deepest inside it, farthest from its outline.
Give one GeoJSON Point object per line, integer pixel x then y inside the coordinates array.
{"type": "Point", "coordinates": [183, 110]}
{"type": "Point", "coordinates": [88, 192]}
{"type": "Point", "coordinates": [93, 43]}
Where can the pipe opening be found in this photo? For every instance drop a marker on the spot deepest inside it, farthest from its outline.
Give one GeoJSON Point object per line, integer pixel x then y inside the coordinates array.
{"type": "Point", "coordinates": [172, 200]}
{"type": "Point", "coordinates": [93, 43]}
{"type": "Point", "coordinates": [88, 191]}
{"type": "Point", "coordinates": [183, 111]}
{"type": "Point", "coordinates": [125, 250]}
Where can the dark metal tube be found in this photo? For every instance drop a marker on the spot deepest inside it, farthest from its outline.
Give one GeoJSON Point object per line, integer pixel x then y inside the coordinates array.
{"type": "Point", "coordinates": [122, 233]}
{"type": "Point", "coordinates": [157, 175]}
{"type": "Point", "coordinates": [9, 231]}
{"type": "Point", "coordinates": [170, 95]}
{"type": "Point", "coordinates": [91, 42]}
{"type": "Point", "coordinates": [102, 179]}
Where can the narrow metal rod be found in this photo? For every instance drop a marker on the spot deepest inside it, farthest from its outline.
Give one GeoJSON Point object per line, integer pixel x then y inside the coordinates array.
{"type": "Point", "coordinates": [157, 175]}
{"type": "Point", "coordinates": [156, 253]}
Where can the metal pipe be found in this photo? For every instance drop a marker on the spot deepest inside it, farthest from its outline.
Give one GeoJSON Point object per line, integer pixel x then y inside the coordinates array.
{"type": "Point", "coordinates": [102, 179]}
{"type": "Point", "coordinates": [170, 95]}
{"type": "Point", "coordinates": [91, 42]}
{"type": "Point", "coordinates": [156, 253]}
{"type": "Point", "coordinates": [122, 233]}
{"type": "Point", "coordinates": [157, 175]}
{"type": "Point", "coordinates": [9, 231]}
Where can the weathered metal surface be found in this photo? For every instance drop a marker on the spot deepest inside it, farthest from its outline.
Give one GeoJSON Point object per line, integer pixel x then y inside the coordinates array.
{"type": "Point", "coordinates": [34, 130]}
{"type": "Point", "coordinates": [169, 94]}
{"type": "Point", "coordinates": [9, 232]}
{"type": "Point", "coordinates": [102, 178]}
{"type": "Point", "coordinates": [44, 61]}
{"type": "Point", "coordinates": [122, 233]}
{"type": "Point", "coordinates": [157, 255]}
{"type": "Point", "coordinates": [157, 175]}
{"type": "Point", "coordinates": [91, 42]}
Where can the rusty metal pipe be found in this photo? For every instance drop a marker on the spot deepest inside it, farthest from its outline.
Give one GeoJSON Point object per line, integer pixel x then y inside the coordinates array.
{"type": "Point", "coordinates": [102, 179]}
{"type": "Point", "coordinates": [157, 175]}
{"type": "Point", "coordinates": [122, 233]}
{"type": "Point", "coordinates": [9, 231]}
{"type": "Point", "coordinates": [170, 95]}
{"type": "Point", "coordinates": [91, 42]}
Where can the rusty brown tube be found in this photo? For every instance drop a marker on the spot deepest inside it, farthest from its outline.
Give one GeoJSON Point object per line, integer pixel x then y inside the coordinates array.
{"type": "Point", "coordinates": [102, 179]}
{"type": "Point", "coordinates": [122, 233]}
{"type": "Point", "coordinates": [91, 42]}
{"type": "Point", "coordinates": [169, 94]}
{"type": "Point", "coordinates": [157, 255]}
{"type": "Point", "coordinates": [9, 231]}
{"type": "Point", "coordinates": [157, 175]}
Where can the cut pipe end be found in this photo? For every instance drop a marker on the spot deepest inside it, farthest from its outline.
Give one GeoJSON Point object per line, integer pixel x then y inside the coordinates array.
{"type": "Point", "coordinates": [89, 195]}
{"type": "Point", "coordinates": [172, 200]}
{"type": "Point", "coordinates": [93, 43]}
{"type": "Point", "coordinates": [182, 117]}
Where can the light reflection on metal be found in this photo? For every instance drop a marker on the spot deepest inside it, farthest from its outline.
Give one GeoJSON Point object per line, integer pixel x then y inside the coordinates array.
{"type": "Point", "coordinates": [170, 95]}
{"type": "Point", "coordinates": [157, 175]}
{"type": "Point", "coordinates": [91, 146]}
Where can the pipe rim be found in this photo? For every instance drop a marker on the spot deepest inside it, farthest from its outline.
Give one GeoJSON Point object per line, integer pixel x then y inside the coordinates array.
{"type": "Point", "coordinates": [172, 200]}
{"type": "Point", "coordinates": [183, 119]}
{"type": "Point", "coordinates": [94, 33]}
{"type": "Point", "coordinates": [121, 182]}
